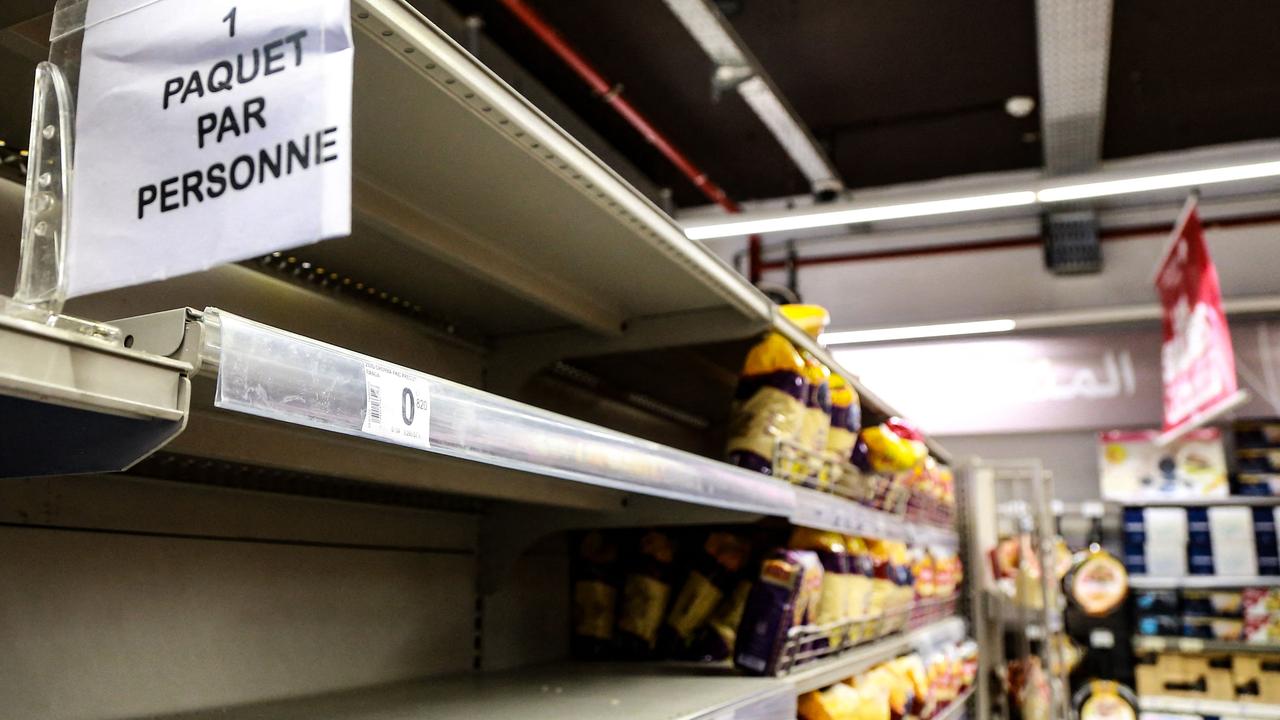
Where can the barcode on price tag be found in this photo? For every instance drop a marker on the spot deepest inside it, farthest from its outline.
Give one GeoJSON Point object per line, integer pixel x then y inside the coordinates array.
{"type": "Point", "coordinates": [397, 406]}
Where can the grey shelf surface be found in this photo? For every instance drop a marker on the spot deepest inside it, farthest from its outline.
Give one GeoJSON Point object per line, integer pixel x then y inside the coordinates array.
{"type": "Point", "coordinates": [590, 690]}
{"type": "Point", "coordinates": [554, 692]}
{"type": "Point", "coordinates": [1201, 582]}
{"type": "Point", "coordinates": [1249, 500]}
{"type": "Point", "coordinates": [1155, 643]}
{"type": "Point", "coordinates": [1212, 708]}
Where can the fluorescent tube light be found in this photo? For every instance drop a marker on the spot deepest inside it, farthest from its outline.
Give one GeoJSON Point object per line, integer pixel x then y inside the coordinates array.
{"type": "Point", "coordinates": [1058, 193]}
{"type": "Point", "coordinates": [913, 332]}
{"type": "Point", "coordinates": [1147, 183]}
{"type": "Point", "coordinates": [801, 221]}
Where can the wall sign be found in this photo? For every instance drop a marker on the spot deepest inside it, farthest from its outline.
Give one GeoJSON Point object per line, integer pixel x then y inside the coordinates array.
{"type": "Point", "coordinates": [207, 132]}
{"type": "Point", "coordinates": [1197, 360]}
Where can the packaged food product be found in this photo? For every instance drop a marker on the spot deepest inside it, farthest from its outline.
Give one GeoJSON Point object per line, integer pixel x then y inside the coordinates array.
{"type": "Point", "coordinates": [838, 702]}
{"type": "Point", "coordinates": [846, 419]}
{"type": "Point", "coordinates": [883, 587]}
{"type": "Point", "coordinates": [778, 601]}
{"type": "Point", "coordinates": [922, 570]}
{"type": "Point", "coordinates": [1157, 601]}
{"type": "Point", "coordinates": [769, 403]}
{"type": "Point", "coordinates": [889, 452]}
{"type": "Point", "coordinates": [712, 574]}
{"type": "Point", "coordinates": [833, 601]}
{"type": "Point", "coordinates": [645, 593]}
{"type": "Point", "coordinates": [816, 423]}
{"type": "Point", "coordinates": [873, 701]}
{"type": "Point", "coordinates": [862, 570]}
{"type": "Point", "coordinates": [717, 639]}
{"type": "Point", "coordinates": [596, 579]}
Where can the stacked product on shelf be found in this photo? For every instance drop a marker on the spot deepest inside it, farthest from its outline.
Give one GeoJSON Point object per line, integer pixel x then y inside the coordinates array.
{"type": "Point", "coordinates": [1221, 677]}
{"type": "Point", "coordinates": [921, 684]}
{"type": "Point", "coordinates": [1245, 615]}
{"type": "Point", "coordinates": [1257, 456]}
{"type": "Point", "coordinates": [1222, 540]}
{"type": "Point", "coordinates": [765, 598]}
{"type": "Point", "coordinates": [793, 419]}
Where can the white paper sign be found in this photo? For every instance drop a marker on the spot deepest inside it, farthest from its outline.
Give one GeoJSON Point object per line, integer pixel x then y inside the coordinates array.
{"type": "Point", "coordinates": [397, 406]}
{"type": "Point", "coordinates": [207, 132]}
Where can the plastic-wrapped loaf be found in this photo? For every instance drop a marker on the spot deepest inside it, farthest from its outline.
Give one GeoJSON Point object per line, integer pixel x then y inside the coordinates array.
{"type": "Point", "coordinates": [833, 602]}
{"type": "Point", "coordinates": [846, 419]}
{"type": "Point", "coordinates": [645, 593]}
{"type": "Point", "coordinates": [769, 403]}
{"type": "Point", "coordinates": [596, 579]}
{"type": "Point", "coordinates": [838, 702]}
{"type": "Point", "coordinates": [816, 424]}
{"type": "Point", "coordinates": [717, 639]}
{"type": "Point", "coordinates": [780, 600]}
{"type": "Point", "coordinates": [862, 570]}
{"type": "Point", "coordinates": [713, 573]}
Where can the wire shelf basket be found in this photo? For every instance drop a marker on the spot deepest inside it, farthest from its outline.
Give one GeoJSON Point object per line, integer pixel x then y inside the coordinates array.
{"type": "Point", "coordinates": [809, 643]}
{"type": "Point", "coordinates": [825, 472]}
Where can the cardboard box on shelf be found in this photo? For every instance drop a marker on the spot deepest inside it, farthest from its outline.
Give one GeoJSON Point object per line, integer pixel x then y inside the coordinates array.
{"type": "Point", "coordinates": [1133, 466]}
{"type": "Point", "coordinates": [1256, 678]}
{"type": "Point", "coordinates": [1196, 677]}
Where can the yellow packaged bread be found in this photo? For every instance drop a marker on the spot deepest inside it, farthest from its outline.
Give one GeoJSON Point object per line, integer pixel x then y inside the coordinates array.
{"type": "Point", "coordinates": [846, 419]}
{"type": "Point", "coordinates": [882, 588]}
{"type": "Point", "coordinates": [833, 601]}
{"type": "Point", "coordinates": [812, 319]}
{"type": "Point", "coordinates": [769, 403]}
{"type": "Point", "coordinates": [816, 422]}
{"type": "Point", "coordinates": [861, 570]}
{"type": "Point", "coordinates": [838, 702]}
{"type": "Point", "coordinates": [873, 699]}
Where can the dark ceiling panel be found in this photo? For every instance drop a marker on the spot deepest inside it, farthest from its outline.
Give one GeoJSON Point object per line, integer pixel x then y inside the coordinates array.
{"type": "Point", "coordinates": [1186, 73]}
{"type": "Point", "coordinates": [928, 77]}
{"type": "Point", "coordinates": [664, 73]}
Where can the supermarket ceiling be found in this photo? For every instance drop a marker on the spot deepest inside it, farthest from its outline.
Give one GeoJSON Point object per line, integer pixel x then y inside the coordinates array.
{"type": "Point", "coordinates": [901, 91]}
{"type": "Point", "coordinates": [893, 91]}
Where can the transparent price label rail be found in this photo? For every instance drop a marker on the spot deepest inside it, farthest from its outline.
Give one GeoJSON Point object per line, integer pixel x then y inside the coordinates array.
{"type": "Point", "coordinates": [278, 375]}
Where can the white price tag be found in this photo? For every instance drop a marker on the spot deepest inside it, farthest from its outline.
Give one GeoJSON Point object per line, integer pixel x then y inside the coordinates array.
{"type": "Point", "coordinates": [207, 132]}
{"type": "Point", "coordinates": [397, 406]}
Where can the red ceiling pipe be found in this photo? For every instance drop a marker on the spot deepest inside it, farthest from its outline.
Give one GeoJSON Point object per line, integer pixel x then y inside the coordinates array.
{"type": "Point", "coordinates": [613, 95]}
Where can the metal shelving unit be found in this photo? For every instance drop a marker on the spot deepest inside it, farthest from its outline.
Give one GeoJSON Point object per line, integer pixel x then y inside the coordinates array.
{"type": "Point", "coordinates": [1153, 643]}
{"type": "Point", "coordinates": [1211, 708]}
{"type": "Point", "coordinates": [204, 579]}
{"type": "Point", "coordinates": [1201, 582]}
{"type": "Point", "coordinates": [1250, 500]}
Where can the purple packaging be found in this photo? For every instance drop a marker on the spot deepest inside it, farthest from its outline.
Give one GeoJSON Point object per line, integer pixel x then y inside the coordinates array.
{"type": "Point", "coordinates": [781, 598]}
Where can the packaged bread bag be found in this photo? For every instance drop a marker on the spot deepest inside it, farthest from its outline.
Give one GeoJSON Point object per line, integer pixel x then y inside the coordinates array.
{"type": "Point", "coordinates": [769, 403]}
{"type": "Point", "coordinates": [781, 598]}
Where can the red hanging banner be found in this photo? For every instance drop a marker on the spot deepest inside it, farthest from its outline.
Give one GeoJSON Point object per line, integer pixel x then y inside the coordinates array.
{"type": "Point", "coordinates": [1197, 360]}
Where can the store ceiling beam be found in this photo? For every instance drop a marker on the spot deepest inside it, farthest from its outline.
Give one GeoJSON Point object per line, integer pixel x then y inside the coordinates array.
{"type": "Point", "coordinates": [1074, 45]}
{"type": "Point", "coordinates": [738, 69]}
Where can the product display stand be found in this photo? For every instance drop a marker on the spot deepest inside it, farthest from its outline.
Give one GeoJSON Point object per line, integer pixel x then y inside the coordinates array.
{"type": "Point", "coordinates": [1011, 624]}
